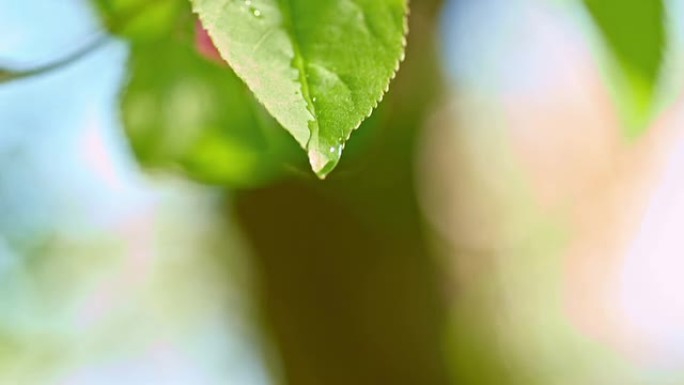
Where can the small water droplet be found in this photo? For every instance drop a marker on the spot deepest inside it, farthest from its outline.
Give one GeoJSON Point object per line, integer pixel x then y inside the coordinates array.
{"type": "Point", "coordinates": [314, 99]}
{"type": "Point", "coordinates": [337, 150]}
{"type": "Point", "coordinates": [249, 4]}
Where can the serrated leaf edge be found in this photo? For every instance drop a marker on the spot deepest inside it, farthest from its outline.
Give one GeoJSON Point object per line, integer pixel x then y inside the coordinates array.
{"type": "Point", "coordinates": [395, 71]}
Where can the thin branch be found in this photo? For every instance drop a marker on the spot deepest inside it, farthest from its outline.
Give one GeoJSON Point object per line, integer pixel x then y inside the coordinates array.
{"type": "Point", "coordinates": [114, 25]}
{"type": "Point", "coordinates": [11, 75]}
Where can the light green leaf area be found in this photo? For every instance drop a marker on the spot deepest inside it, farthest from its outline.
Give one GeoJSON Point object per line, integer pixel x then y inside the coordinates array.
{"type": "Point", "coordinates": [319, 67]}
{"type": "Point", "coordinates": [635, 32]}
{"type": "Point", "coordinates": [140, 20]}
{"type": "Point", "coordinates": [181, 111]}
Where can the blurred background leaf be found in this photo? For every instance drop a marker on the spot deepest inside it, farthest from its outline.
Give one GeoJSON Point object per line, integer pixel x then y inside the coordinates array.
{"type": "Point", "coordinates": [184, 112]}
{"type": "Point", "coordinates": [141, 20]}
{"type": "Point", "coordinates": [181, 110]}
{"type": "Point", "coordinates": [636, 34]}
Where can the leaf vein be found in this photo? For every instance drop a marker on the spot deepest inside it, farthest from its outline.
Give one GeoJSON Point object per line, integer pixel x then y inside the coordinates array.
{"type": "Point", "coordinates": [299, 62]}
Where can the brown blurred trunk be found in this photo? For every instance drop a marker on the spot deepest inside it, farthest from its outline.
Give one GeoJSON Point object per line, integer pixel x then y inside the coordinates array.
{"type": "Point", "coordinates": [349, 288]}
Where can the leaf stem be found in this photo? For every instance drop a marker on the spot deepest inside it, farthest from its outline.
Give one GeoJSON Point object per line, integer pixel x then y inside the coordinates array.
{"type": "Point", "coordinates": [11, 75]}
{"type": "Point", "coordinates": [114, 25]}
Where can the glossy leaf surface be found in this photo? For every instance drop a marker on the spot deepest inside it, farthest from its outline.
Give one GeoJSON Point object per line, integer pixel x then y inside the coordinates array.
{"type": "Point", "coordinates": [319, 67]}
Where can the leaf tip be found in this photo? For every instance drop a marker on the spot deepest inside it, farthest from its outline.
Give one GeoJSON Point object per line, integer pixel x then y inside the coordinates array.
{"type": "Point", "coordinates": [324, 159]}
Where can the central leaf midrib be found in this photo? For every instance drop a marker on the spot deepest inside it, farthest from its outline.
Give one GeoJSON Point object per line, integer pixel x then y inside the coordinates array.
{"type": "Point", "coordinates": [299, 62]}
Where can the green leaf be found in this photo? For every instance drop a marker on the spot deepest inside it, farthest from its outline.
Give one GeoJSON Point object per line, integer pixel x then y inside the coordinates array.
{"type": "Point", "coordinates": [181, 111]}
{"type": "Point", "coordinates": [635, 32]}
{"type": "Point", "coordinates": [319, 67]}
{"type": "Point", "coordinates": [140, 20]}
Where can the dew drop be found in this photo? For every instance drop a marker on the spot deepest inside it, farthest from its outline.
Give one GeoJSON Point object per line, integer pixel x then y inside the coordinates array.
{"type": "Point", "coordinates": [252, 9]}
{"type": "Point", "coordinates": [314, 99]}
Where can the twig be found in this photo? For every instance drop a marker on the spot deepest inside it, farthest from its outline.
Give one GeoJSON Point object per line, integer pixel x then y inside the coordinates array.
{"type": "Point", "coordinates": [11, 75]}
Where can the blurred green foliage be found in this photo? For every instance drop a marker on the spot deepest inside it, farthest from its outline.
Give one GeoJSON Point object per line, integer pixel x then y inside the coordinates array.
{"type": "Point", "coordinates": [141, 20]}
{"type": "Point", "coordinates": [635, 32]}
{"type": "Point", "coordinates": [182, 111]}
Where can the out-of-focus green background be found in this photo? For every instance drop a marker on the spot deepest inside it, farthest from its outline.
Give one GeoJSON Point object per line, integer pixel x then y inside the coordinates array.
{"type": "Point", "coordinates": [489, 224]}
